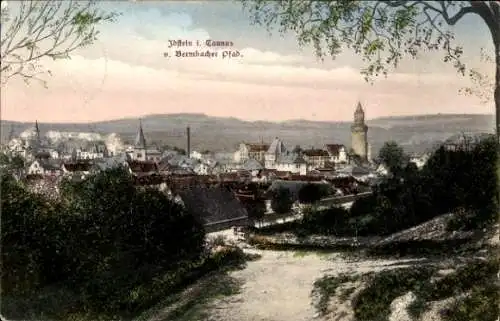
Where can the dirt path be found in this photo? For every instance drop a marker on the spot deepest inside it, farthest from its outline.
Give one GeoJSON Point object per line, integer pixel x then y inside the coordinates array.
{"type": "Point", "coordinates": [278, 286]}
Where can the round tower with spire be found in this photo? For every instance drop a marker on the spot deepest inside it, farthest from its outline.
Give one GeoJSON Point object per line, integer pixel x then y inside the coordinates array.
{"type": "Point", "coordinates": [359, 133]}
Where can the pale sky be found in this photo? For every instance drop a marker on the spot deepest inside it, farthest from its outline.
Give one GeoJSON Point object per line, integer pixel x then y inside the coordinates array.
{"type": "Point", "coordinates": [125, 74]}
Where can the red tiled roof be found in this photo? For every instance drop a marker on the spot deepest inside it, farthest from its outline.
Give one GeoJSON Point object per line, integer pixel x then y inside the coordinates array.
{"type": "Point", "coordinates": [150, 180]}
{"type": "Point", "coordinates": [138, 167]}
{"type": "Point", "coordinates": [333, 148]}
{"type": "Point", "coordinates": [305, 178]}
{"type": "Point", "coordinates": [315, 152]}
{"type": "Point", "coordinates": [257, 147]}
{"type": "Point", "coordinates": [77, 167]}
{"type": "Point", "coordinates": [31, 177]}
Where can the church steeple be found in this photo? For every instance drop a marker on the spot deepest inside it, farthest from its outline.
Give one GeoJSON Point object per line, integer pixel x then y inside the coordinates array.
{"type": "Point", "coordinates": [140, 141]}
{"type": "Point", "coordinates": [37, 131]}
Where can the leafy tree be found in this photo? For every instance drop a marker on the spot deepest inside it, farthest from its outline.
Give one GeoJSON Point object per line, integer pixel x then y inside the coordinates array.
{"type": "Point", "coordinates": [392, 155]}
{"type": "Point", "coordinates": [281, 200]}
{"type": "Point", "coordinates": [382, 32]}
{"type": "Point", "coordinates": [310, 193]}
{"type": "Point", "coordinates": [482, 84]}
{"type": "Point", "coordinates": [256, 208]}
{"type": "Point", "coordinates": [33, 30]}
{"type": "Point", "coordinates": [363, 205]}
{"type": "Point", "coordinates": [4, 159]}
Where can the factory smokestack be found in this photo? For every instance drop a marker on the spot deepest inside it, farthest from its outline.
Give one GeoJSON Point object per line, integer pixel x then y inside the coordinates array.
{"type": "Point", "coordinates": [188, 135]}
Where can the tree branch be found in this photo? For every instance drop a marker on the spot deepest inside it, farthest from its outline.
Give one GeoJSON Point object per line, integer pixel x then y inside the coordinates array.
{"type": "Point", "coordinates": [47, 29]}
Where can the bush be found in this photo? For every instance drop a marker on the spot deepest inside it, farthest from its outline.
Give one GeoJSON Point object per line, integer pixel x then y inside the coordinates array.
{"type": "Point", "coordinates": [333, 221]}
{"type": "Point", "coordinates": [363, 206]}
{"type": "Point", "coordinates": [310, 193]}
{"type": "Point", "coordinates": [281, 200]}
{"type": "Point", "coordinates": [105, 237]}
{"type": "Point", "coordinates": [256, 208]}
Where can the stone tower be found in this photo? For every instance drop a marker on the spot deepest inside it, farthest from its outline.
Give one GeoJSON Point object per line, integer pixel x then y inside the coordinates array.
{"type": "Point", "coordinates": [359, 133]}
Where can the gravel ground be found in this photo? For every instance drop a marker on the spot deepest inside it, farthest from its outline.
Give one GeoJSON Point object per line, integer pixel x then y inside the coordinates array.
{"type": "Point", "coordinates": [278, 286]}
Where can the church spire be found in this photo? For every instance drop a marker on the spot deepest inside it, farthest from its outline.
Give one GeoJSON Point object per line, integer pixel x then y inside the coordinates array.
{"type": "Point", "coordinates": [37, 130]}
{"type": "Point", "coordinates": [140, 141]}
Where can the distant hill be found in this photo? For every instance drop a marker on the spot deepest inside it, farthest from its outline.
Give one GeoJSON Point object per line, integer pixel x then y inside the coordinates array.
{"type": "Point", "coordinates": [414, 133]}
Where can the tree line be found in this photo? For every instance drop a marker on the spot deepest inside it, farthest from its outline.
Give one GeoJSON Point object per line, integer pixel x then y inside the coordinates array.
{"type": "Point", "coordinates": [103, 236]}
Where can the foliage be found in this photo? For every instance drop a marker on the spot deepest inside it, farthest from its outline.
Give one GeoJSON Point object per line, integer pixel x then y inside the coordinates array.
{"type": "Point", "coordinates": [33, 30]}
{"type": "Point", "coordinates": [363, 206]}
{"type": "Point", "coordinates": [104, 236]}
{"type": "Point", "coordinates": [310, 193]}
{"type": "Point", "coordinates": [482, 84]}
{"type": "Point", "coordinates": [373, 303]}
{"type": "Point", "coordinates": [451, 181]}
{"type": "Point", "coordinates": [281, 200]}
{"type": "Point", "coordinates": [332, 221]}
{"type": "Point", "coordinates": [382, 32]}
{"type": "Point", "coordinates": [327, 286]}
{"type": "Point", "coordinates": [392, 155]}
{"type": "Point", "coordinates": [480, 305]}
{"type": "Point", "coordinates": [256, 208]}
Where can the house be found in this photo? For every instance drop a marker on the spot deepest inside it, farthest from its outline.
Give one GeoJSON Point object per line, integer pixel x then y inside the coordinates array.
{"type": "Point", "coordinates": [338, 153]}
{"type": "Point", "coordinates": [215, 207]}
{"type": "Point", "coordinates": [93, 150]}
{"type": "Point", "coordinates": [196, 155]}
{"type": "Point", "coordinates": [248, 151]}
{"type": "Point", "coordinates": [142, 168]}
{"type": "Point", "coordinates": [419, 160]}
{"type": "Point", "coordinates": [252, 165]}
{"type": "Point", "coordinates": [76, 169]}
{"type": "Point", "coordinates": [293, 163]}
{"type": "Point", "coordinates": [275, 151]}
{"type": "Point", "coordinates": [316, 158]}
{"type": "Point", "coordinates": [45, 167]}
{"type": "Point", "coordinates": [355, 171]}
{"type": "Point", "coordinates": [117, 161]}
{"type": "Point", "coordinates": [203, 169]}
{"type": "Point", "coordinates": [463, 141]}
{"type": "Point", "coordinates": [382, 170]}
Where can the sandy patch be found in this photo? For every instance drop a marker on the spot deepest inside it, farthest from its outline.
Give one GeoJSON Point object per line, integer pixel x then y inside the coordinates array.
{"type": "Point", "coordinates": [278, 286]}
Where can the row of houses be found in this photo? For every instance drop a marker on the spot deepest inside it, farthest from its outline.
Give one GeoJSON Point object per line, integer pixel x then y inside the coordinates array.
{"type": "Point", "coordinates": [255, 156]}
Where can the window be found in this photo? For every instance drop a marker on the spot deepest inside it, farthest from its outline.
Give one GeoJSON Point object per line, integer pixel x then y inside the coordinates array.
{"type": "Point", "coordinates": [138, 155]}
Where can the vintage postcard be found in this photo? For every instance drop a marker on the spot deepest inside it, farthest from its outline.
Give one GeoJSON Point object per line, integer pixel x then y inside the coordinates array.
{"type": "Point", "coordinates": [250, 160]}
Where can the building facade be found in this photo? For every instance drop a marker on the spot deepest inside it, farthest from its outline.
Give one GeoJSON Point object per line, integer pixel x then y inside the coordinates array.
{"type": "Point", "coordinates": [248, 151]}
{"type": "Point", "coordinates": [140, 151]}
{"type": "Point", "coordinates": [359, 134]}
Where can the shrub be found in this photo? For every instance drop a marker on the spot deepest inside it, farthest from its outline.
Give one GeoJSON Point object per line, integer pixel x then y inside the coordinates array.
{"type": "Point", "coordinates": [281, 200]}
{"type": "Point", "coordinates": [105, 237]}
{"type": "Point", "coordinates": [329, 221]}
{"type": "Point", "coordinates": [310, 193]}
{"type": "Point", "coordinates": [363, 205]}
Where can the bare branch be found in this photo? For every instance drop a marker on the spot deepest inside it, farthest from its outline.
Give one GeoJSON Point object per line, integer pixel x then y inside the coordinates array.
{"type": "Point", "coordinates": [46, 29]}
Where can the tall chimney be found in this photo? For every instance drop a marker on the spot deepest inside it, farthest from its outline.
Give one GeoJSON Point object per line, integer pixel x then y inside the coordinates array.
{"type": "Point", "coordinates": [188, 135]}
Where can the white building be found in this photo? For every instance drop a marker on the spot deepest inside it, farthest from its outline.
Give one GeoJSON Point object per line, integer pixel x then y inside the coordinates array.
{"type": "Point", "coordinates": [248, 151]}
{"type": "Point", "coordinates": [420, 161]}
{"type": "Point", "coordinates": [338, 153]}
{"type": "Point", "coordinates": [279, 158]}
